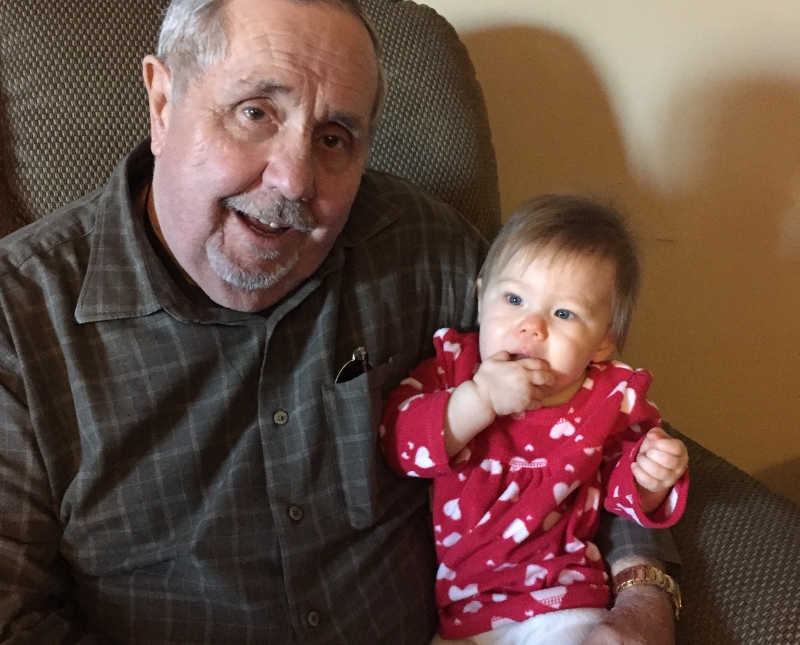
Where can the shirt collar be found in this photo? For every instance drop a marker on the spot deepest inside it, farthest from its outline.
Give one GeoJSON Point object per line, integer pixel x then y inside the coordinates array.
{"type": "Point", "coordinates": [126, 278]}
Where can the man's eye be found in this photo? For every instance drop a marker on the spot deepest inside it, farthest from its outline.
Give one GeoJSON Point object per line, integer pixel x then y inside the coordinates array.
{"type": "Point", "coordinates": [513, 299]}
{"type": "Point", "coordinates": [564, 314]}
{"type": "Point", "coordinates": [253, 113]}
{"type": "Point", "coordinates": [332, 141]}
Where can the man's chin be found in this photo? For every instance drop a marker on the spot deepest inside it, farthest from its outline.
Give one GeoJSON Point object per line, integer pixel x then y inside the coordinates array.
{"type": "Point", "coordinates": [242, 278]}
{"type": "Point", "coordinates": [242, 289]}
{"type": "Point", "coordinates": [247, 300]}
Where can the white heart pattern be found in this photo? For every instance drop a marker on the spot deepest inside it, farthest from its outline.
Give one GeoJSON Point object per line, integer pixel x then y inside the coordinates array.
{"type": "Point", "coordinates": [492, 466]}
{"type": "Point", "coordinates": [455, 593]}
{"type": "Point", "coordinates": [404, 405]}
{"type": "Point", "coordinates": [620, 387]}
{"type": "Point", "coordinates": [672, 501]}
{"type": "Point", "coordinates": [568, 576]}
{"type": "Point", "coordinates": [453, 348]}
{"type": "Point", "coordinates": [452, 509]}
{"type": "Point", "coordinates": [628, 401]}
{"type": "Point", "coordinates": [499, 621]}
{"type": "Point", "coordinates": [517, 531]}
{"type": "Point", "coordinates": [473, 607]}
{"type": "Point", "coordinates": [561, 491]}
{"type": "Point", "coordinates": [562, 429]}
{"type": "Point", "coordinates": [451, 539]}
{"type": "Point", "coordinates": [510, 494]}
{"type": "Point", "coordinates": [423, 458]}
{"type": "Point", "coordinates": [533, 573]}
{"type": "Point", "coordinates": [445, 573]}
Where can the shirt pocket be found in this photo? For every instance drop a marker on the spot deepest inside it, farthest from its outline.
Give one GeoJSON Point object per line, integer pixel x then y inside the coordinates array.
{"type": "Point", "coordinates": [353, 411]}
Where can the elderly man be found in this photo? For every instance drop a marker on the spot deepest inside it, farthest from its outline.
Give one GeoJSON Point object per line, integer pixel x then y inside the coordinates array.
{"type": "Point", "coordinates": [193, 358]}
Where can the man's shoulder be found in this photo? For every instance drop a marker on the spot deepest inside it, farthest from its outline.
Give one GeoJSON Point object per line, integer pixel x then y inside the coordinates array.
{"type": "Point", "coordinates": [385, 200]}
{"type": "Point", "coordinates": [44, 237]}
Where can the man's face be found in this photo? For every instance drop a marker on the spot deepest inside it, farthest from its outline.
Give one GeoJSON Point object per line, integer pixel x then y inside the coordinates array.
{"type": "Point", "coordinates": [259, 159]}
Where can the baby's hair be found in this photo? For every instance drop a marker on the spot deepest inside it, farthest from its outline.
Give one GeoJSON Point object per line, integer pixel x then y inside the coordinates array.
{"type": "Point", "coordinates": [573, 225]}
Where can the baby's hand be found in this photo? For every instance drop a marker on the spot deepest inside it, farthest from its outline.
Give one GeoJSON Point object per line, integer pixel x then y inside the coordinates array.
{"type": "Point", "coordinates": [660, 463]}
{"type": "Point", "coordinates": [510, 386]}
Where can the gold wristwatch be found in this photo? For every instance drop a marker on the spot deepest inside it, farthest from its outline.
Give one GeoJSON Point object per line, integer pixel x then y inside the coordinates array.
{"type": "Point", "coordinates": [645, 574]}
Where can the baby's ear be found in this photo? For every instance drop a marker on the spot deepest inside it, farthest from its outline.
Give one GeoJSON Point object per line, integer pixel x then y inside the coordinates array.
{"type": "Point", "coordinates": [604, 349]}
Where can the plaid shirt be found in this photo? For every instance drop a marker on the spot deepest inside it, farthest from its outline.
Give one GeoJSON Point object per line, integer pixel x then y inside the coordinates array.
{"type": "Point", "coordinates": [173, 472]}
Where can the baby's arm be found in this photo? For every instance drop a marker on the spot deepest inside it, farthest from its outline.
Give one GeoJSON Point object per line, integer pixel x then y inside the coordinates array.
{"type": "Point", "coordinates": [638, 435]}
{"type": "Point", "coordinates": [660, 463]}
{"type": "Point", "coordinates": [501, 386]}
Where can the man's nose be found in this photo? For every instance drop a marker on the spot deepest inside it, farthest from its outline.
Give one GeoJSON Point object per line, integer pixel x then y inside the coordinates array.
{"type": "Point", "coordinates": [290, 168]}
{"type": "Point", "coordinates": [532, 326]}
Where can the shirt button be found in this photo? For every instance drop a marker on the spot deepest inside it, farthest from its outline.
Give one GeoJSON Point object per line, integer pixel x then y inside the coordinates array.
{"type": "Point", "coordinates": [295, 513]}
{"type": "Point", "coordinates": [312, 618]}
{"type": "Point", "coordinates": [280, 417]}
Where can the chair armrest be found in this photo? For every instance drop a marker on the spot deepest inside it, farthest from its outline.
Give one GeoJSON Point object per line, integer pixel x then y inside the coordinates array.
{"type": "Point", "coordinates": [740, 547]}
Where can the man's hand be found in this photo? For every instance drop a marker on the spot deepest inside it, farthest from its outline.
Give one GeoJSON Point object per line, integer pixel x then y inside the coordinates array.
{"type": "Point", "coordinates": [660, 462]}
{"type": "Point", "coordinates": [641, 615]}
{"type": "Point", "coordinates": [512, 386]}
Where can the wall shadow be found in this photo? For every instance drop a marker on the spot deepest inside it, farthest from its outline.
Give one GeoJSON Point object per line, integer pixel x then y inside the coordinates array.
{"type": "Point", "coordinates": [720, 237]}
{"type": "Point", "coordinates": [552, 124]}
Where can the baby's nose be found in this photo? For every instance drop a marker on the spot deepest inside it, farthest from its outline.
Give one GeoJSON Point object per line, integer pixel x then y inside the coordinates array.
{"type": "Point", "coordinates": [533, 326]}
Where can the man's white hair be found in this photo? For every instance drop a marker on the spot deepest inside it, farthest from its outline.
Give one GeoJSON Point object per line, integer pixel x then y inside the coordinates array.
{"type": "Point", "coordinates": [193, 37]}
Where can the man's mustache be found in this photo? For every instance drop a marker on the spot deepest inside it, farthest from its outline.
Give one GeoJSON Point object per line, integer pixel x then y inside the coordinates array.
{"type": "Point", "coordinates": [279, 213]}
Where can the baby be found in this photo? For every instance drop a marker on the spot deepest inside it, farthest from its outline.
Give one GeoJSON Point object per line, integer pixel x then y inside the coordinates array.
{"type": "Point", "coordinates": [517, 490]}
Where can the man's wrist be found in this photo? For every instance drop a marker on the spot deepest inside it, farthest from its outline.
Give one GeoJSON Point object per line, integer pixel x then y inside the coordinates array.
{"type": "Point", "coordinates": [653, 579]}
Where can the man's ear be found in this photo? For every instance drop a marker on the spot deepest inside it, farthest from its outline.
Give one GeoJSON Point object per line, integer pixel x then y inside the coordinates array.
{"type": "Point", "coordinates": [158, 83]}
{"type": "Point", "coordinates": [604, 350]}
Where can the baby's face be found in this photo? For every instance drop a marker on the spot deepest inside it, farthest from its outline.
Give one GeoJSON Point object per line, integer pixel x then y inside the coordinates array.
{"type": "Point", "coordinates": [556, 308]}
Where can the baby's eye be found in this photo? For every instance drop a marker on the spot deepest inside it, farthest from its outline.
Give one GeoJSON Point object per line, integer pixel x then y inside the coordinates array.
{"type": "Point", "coordinates": [564, 314]}
{"type": "Point", "coordinates": [513, 299]}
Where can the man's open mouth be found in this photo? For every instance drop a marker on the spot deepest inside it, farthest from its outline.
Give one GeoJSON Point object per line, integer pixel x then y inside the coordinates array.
{"type": "Point", "coordinates": [262, 228]}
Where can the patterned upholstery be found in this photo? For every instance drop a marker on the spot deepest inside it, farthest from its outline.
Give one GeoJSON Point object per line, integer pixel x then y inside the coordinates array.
{"type": "Point", "coordinates": [740, 547]}
{"type": "Point", "coordinates": [72, 103]}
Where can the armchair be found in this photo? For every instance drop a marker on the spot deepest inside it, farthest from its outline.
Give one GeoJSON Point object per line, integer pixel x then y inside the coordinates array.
{"type": "Point", "coordinates": [72, 103]}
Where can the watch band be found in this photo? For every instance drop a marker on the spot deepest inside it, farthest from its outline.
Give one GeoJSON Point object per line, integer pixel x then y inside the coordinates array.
{"type": "Point", "coordinates": [646, 574]}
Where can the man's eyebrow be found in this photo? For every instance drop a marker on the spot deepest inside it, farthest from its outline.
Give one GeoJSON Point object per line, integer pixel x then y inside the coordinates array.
{"type": "Point", "coordinates": [349, 122]}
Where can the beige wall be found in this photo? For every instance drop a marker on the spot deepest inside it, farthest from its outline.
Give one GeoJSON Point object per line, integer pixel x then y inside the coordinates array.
{"type": "Point", "coordinates": [686, 113]}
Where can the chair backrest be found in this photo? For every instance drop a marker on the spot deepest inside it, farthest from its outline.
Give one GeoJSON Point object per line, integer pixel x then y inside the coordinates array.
{"type": "Point", "coordinates": [72, 103]}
